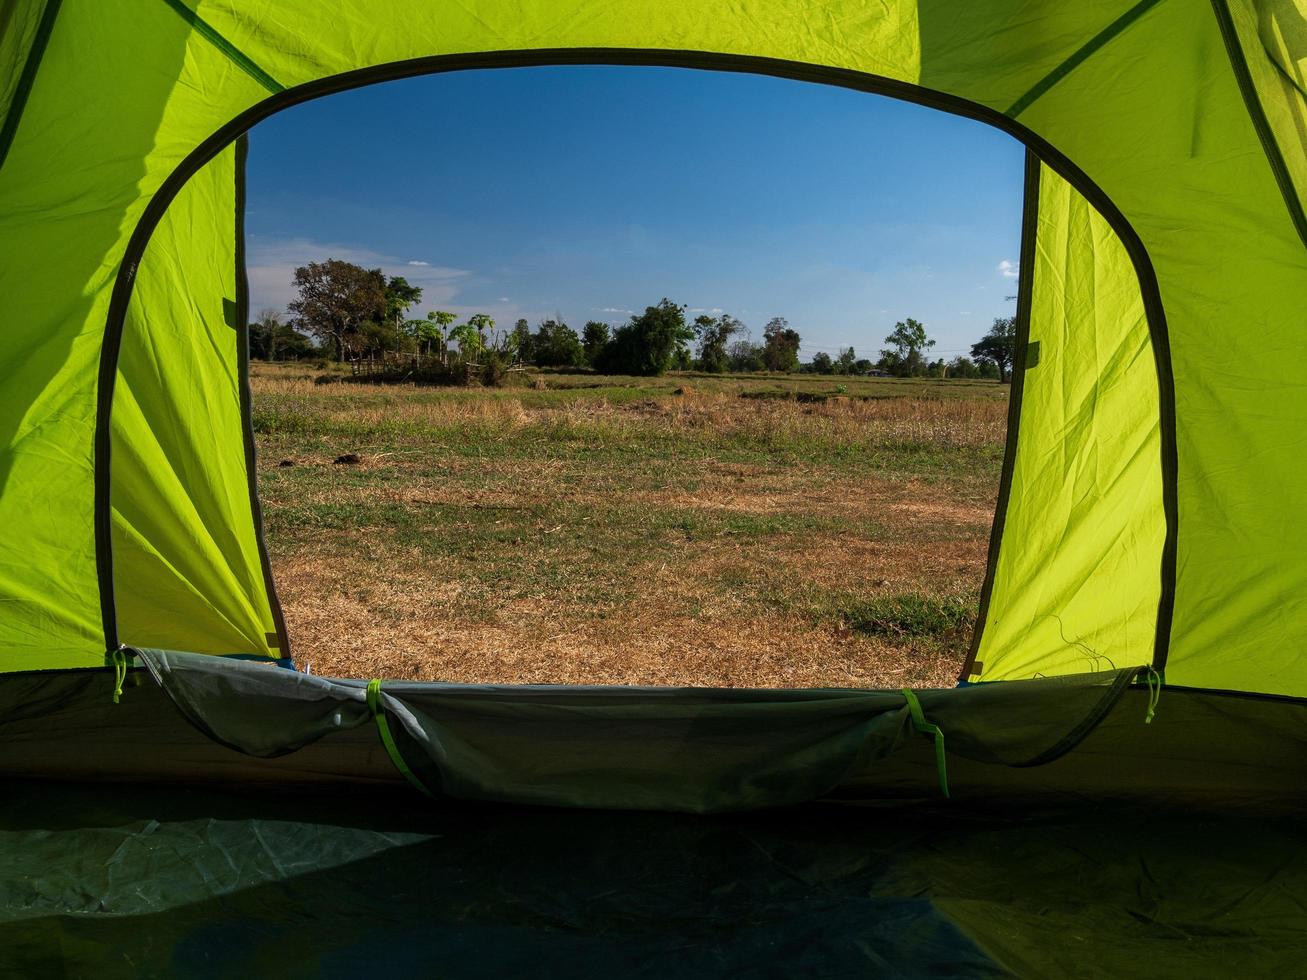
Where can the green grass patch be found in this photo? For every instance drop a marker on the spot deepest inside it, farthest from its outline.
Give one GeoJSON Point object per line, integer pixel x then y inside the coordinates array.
{"type": "Point", "coordinates": [912, 616]}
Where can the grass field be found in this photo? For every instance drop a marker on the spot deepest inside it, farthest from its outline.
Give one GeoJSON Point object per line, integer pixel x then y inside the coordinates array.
{"type": "Point", "coordinates": [686, 530]}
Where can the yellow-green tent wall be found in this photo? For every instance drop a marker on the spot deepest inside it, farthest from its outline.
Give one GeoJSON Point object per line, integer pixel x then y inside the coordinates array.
{"type": "Point", "coordinates": [1178, 122]}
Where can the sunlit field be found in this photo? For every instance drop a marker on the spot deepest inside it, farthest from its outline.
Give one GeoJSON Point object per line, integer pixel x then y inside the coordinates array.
{"type": "Point", "coordinates": [758, 530]}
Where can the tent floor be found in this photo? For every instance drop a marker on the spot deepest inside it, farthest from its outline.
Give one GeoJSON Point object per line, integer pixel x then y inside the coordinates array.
{"type": "Point", "coordinates": [152, 846]}
{"type": "Point", "coordinates": [115, 880]}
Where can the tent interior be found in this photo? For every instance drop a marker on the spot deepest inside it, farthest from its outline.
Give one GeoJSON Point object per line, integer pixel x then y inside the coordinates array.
{"type": "Point", "coordinates": [1111, 789]}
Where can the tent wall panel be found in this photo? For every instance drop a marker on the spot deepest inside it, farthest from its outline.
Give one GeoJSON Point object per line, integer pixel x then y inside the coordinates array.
{"type": "Point", "coordinates": [187, 572]}
{"type": "Point", "coordinates": [1138, 102]}
{"type": "Point", "coordinates": [72, 188]}
{"type": "Point", "coordinates": [1086, 484]}
{"type": "Point", "coordinates": [1161, 115]}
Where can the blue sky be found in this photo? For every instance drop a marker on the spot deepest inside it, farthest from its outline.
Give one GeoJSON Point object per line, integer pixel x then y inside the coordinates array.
{"type": "Point", "coordinates": [592, 192]}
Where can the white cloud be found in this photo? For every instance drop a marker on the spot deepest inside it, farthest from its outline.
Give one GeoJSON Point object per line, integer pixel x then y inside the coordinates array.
{"type": "Point", "coordinates": [271, 264]}
{"type": "Point", "coordinates": [503, 299]}
{"type": "Point", "coordinates": [610, 309]}
{"type": "Point", "coordinates": [701, 309]}
{"type": "Point", "coordinates": [964, 313]}
{"type": "Point", "coordinates": [1008, 269]}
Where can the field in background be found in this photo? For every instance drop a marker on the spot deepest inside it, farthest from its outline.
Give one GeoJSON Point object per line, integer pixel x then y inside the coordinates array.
{"type": "Point", "coordinates": [685, 530]}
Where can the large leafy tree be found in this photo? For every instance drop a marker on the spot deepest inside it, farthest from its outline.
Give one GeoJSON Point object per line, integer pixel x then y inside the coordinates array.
{"type": "Point", "coordinates": [594, 339]}
{"type": "Point", "coordinates": [998, 347]}
{"type": "Point", "coordinates": [335, 299]}
{"type": "Point", "coordinates": [904, 356]}
{"type": "Point", "coordinates": [649, 344]}
{"type": "Point", "coordinates": [555, 344]}
{"type": "Point", "coordinates": [745, 355]}
{"type": "Point", "coordinates": [780, 347]}
{"type": "Point", "coordinates": [715, 335]}
{"type": "Point", "coordinates": [822, 363]}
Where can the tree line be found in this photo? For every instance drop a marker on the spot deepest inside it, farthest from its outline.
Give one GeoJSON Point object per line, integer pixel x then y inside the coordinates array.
{"type": "Point", "coordinates": [354, 313]}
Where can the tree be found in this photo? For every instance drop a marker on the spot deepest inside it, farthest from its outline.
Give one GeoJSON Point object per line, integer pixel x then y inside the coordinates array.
{"type": "Point", "coordinates": [745, 355]}
{"type": "Point", "coordinates": [555, 344]}
{"type": "Point", "coordinates": [262, 335]}
{"type": "Point", "coordinates": [822, 363]}
{"type": "Point", "coordinates": [273, 339]}
{"type": "Point", "coordinates": [594, 339]}
{"type": "Point", "coordinates": [483, 324]}
{"type": "Point", "coordinates": [335, 299]}
{"type": "Point", "coordinates": [400, 296]}
{"type": "Point", "coordinates": [417, 334]}
{"type": "Point", "coordinates": [714, 337]}
{"type": "Point", "coordinates": [780, 349]}
{"type": "Point", "coordinates": [442, 320]}
{"type": "Point", "coordinates": [962, 367]}
{"type": "Point", "coordinates": [469, 340]}
{"type": "Point", "coordinates": [998, 347]}
{"type": "Point", "coordinates": [904, 358]}
{"type": "Point", "coordinates": [519, 342]}
{"type": "Point", "coordinates": [844, 363]}
{"type": "Point", "coordinates": [649, 343]}
{"type": "Point", "coordinates": [428, 335]}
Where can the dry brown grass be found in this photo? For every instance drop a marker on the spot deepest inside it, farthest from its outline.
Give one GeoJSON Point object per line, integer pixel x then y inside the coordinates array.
{"type": "Point", "coordinates": [791, 510]}
{"type": "Point", "coordinates": [351, 622]}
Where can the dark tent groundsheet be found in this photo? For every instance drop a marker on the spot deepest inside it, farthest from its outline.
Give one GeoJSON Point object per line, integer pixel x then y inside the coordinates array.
{"type": "Point", "coordinates": [111, 881]}
{"type": "Point", "coordinates": [149, 847]}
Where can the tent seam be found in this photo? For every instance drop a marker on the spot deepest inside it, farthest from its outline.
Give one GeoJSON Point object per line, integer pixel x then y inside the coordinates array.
{"type": "Point", "coordinates": [234, 54]}
{"type": "Point", "coordinates": [1080, 56]}
{"type": "Point", "coordinates": [1257, 116]}
{"type": "Point", "coordinates": [27, 80]}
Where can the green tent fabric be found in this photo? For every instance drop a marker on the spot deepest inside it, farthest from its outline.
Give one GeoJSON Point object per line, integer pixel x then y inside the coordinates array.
{"type": "Point", "coordinates": [1147, 514]}
{"type": "Point", "coordinates": [1154, 455]}
{"type": "Point", "coordinates": [1140, 637]}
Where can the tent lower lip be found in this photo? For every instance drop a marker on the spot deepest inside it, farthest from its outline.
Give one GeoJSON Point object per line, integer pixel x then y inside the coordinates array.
{"type": "Point", "coordinates": [206, 720]}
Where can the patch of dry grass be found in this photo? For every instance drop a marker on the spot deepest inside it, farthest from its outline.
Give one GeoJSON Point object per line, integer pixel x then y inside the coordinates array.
{"type": "Point", "coordinates": [623, 535]}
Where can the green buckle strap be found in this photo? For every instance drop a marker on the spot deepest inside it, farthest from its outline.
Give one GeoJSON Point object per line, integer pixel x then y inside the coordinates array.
{"type": "Point", "coordinates": [924, 727]}
{"type": "Point", "coordinates": [379, 714]}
